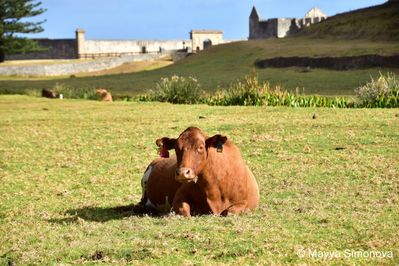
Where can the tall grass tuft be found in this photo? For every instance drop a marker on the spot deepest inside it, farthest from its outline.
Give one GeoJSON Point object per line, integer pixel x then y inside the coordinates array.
{"type": "Point", "coordinates": [72, 93]}
{"type": "Point", "coordinates": [252, 92]}
{"type": "Point", "coordinates": [176, 89]}
{"type": "Point", "coordinates": [380, 93]}
{"type": "Point", "coordinates": [246, 92]}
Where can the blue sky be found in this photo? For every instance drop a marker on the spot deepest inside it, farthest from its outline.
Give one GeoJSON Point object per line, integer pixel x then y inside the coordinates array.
{"type": "Point", "coordinates": [172, 19]}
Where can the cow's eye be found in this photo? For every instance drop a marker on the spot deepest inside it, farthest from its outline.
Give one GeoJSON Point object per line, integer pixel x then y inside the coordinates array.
{"type": "Point", "coordinates": [200, 148]}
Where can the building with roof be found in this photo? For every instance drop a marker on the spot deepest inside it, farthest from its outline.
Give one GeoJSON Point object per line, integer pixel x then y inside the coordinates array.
{"type": "Point", "coordinates": [281, 27]}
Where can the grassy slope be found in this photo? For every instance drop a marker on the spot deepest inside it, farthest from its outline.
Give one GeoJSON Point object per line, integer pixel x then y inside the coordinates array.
{"type": "Point", "coordinates": [221, 65]}
{"type": "Point", "coordinates": [66, 165]}
{"type": "Point", "coordinates": [376, 23]}
{"type": "Point", "coordinates": [224, 64]}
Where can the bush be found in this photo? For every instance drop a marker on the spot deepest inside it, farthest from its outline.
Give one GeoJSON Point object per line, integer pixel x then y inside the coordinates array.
{"type": "Point", "coordinates": [176, 89]}
{"type": "Point", "coordinates": [246, 92]}
{"type": "Point", "coordinates": [71, 93]}
{"type": "Point", "coordinates": [251, 92]}
{"type": "Point", "coordinates": [382, 92]}
{"type": "Point", "coordinates": [32, 92]}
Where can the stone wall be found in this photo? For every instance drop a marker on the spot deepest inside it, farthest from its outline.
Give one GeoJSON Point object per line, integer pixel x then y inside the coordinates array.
{"type": "Point", "coordinates": [264, 29]}
{"type": "Point", "coordinates": [335, 63]}
{"type": "Point", "coordinates": [107, 48]}
{"type": "Point", "coordinates": [82, 48]}
{"type": "Point", "coordinates": [75, 67]}
{"type": "Point", "coordinates": [54, 49]}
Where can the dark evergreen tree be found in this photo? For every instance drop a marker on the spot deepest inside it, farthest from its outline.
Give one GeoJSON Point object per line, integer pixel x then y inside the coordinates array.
{"type": "Point", "coordinates": [13, 14]}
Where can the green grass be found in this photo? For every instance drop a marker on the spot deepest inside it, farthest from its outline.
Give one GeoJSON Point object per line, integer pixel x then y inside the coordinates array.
{"type": "Point", "coordinates": [374, 23]}
{"type": "Point", "coordinates": [224, 64]}
{"type": "Point", "coordinates": [327, 184]}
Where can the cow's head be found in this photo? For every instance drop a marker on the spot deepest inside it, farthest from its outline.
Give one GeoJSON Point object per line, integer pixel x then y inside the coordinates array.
{"type": "Point", "coordinates": [101, 91]}
{"type": "Point", "coordinates": [192, 149]}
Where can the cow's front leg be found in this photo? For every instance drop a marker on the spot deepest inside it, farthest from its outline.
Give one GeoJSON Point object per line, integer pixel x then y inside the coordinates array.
{"type": "Point", "coordinates": [182, 208]}
{"type": "Point", "coordinates": [180, 203]}
{"type": "Point", "coordinates": [236, 208]}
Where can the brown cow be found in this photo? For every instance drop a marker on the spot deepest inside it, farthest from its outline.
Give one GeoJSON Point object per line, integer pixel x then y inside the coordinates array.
{"type": "Point", "coordinates": [214, 177]}
{"type": "Point", "coordinates": [49, 94]}
{"type": "Point", "coordinates": [104, 94]}
{"type": "Point", "coordinates": [158, 186]}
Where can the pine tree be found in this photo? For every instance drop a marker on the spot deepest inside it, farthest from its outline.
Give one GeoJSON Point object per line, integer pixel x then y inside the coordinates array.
{"type": "Point", "coordinates": [13, 14]}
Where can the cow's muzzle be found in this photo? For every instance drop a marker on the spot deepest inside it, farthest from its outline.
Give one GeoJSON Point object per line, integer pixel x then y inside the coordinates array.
{"type": "Point", "coordinates": [185, 175]}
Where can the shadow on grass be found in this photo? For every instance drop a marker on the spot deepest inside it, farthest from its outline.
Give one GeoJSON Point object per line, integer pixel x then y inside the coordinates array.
{"type": "Point", "coordinates": [103, 214]}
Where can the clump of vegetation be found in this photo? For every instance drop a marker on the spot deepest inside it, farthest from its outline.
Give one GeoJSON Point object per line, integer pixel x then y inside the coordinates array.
{"type": "Point", "coordinates": [67, 92]}
{"type": "Point", "coordinates": [247, 92]}
{"type": "Point", "coordinates": [251, 91]}
{"type": "Point", "coordinates": [31, 92]}
{"type": "Point", "coordinates": [73, 93]}
{"type": "Point", "coordinates": [382, 92]}
{"type": "Point", "coordinates": [176, 89]}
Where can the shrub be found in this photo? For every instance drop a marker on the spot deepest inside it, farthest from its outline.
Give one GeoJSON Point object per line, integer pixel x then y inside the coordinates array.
{"type": "Point", "coordinates": [251, 92]}
{"type": "Point", "coordinates": [176, 89]}
{"type": "Point", "coordinates": [246, 92]}
{"type": "Point", "coordinates": [382, 92]}
{"type": "Point", "coordinates": [72, 93]}
{"type": "Point", "coordinates": [32, 92]}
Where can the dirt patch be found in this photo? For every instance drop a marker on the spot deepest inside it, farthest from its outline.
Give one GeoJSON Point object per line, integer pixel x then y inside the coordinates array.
{"type": "Point", "coordinates": [334, 63]}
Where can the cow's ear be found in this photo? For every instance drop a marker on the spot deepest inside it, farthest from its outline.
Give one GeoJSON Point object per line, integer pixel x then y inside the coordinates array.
{"type": "Point", "coordinates": [166, 143]}
{"type": "Point", "coordinates": [217, 142]}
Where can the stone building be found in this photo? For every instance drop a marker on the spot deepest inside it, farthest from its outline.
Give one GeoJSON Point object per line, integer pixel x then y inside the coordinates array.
{"type": "Point", "coordinates": [202, 39]}
{"type": "Point", "coordinates": [281, 27]}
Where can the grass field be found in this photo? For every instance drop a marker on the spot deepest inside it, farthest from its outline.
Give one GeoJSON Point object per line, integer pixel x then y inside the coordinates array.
{"type": "Point", "coordinates": [224, 64]}
{"type": "Point", "coordinates": [68, 168]}
{"type": "Point", "coordinates": [373, 23]}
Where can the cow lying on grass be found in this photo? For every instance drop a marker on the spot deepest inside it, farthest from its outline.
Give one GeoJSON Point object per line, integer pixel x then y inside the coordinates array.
{"type": "Point", "coordinates": [49, 94]}
{"type": "Point", "coordinates": [212, 177]}
{"type": "Point", "coordinates": [104, 94]}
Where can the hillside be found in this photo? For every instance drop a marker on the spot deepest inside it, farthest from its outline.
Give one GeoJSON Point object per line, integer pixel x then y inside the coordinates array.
{"type": "Point", "coordinates": [374, 23]}
{"type": "Point", "coordinates": [369, 31]}
{"type": "Point", "coordinates": [221, 65]}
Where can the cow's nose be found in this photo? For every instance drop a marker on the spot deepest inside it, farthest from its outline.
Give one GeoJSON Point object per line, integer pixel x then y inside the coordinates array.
{"type": "Point", "coordinates": [186, 172]}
